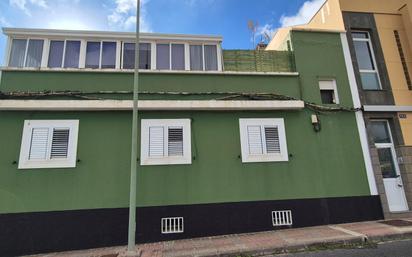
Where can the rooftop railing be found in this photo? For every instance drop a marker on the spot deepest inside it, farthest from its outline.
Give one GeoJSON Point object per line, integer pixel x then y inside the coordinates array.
{"type": "Point", "coordinates": [258, 61]}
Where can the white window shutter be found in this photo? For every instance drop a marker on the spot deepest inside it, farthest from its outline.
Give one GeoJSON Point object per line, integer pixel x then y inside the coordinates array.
{"type": "Point", "coordinates": [272, 140]}
{"type": "Point", "coordinates": [38, 144]}
{"type": "Point", "coordinates": [156, 141]}
{"type": "Point", "coordinates": [60, 143]}
{"type": "Point", "coordinates": [175, 141]}
{"type": "Point", "coordinates": [255, 143]}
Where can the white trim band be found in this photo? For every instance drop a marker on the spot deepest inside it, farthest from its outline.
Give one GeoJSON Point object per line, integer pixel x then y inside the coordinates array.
{"type": "Point", "coordinates": [147, 105]}
{"type": "Point", "coordinates": [45, 69]}
{"type": "Point", "coordinates": [359, 116]}
{"type": "Point", "coordinates": [387, 108]}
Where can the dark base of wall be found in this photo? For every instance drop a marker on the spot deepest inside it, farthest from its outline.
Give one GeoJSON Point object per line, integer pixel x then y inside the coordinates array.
{"type": "Point", "coordinates": [30, 233]}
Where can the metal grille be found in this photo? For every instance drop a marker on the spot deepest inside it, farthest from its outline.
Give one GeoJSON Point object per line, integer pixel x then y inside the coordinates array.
{"type": "Point", "coordinates": [272, 140]}
{"type": "Point", "coordinates": [282, 218]}
{"type": "Point", "coordinates": [60, 143]}
{"type": "Point", "coordinates": [38, 144]}
{"type": "Point", "coordinates": [172, 225]}
{"type": "Point", "coordinates": [255, 140]}
{"type": "Point", "coordinates": [156, 141]}
{"type": "Point", "coordinates": [175, 141]}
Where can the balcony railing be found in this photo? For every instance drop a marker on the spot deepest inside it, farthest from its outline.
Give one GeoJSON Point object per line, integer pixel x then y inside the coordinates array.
{"type": "Point", "coordinates": [258, 61]}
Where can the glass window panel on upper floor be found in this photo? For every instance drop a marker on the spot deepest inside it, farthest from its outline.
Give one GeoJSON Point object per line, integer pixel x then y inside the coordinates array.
{"type": "Point", "coordinates": [370, 80]}
{"type": "Point", "coordinates": [178, 56]}
{"type": "Point", "coordinates": [128, 55]}
{"type": "Point", "coordinates": [145, 56]}
{"type": "Point", "coordinates": [93, 55]}
{"type": "Point", "coordinates": [364, 55]}
{"type": "Point", "coordinates": [196, 57]}
{"type": "Point", "coordinates": [360, 34]}
{"type": "Point", "coordinates": [34, 53]}
{"type": "Point", "coordinates": [210, 57]}
{"type": "Point", "coordinates": [163, 56]}
{"type": "Point", "coordinates": [56, 54]}
{"type": "Point", "coordinates": [380, 132]}
{"type": "Point", "coordinates": [18, 52]}
{"type": "Point", "coordinates": [72, 54]}
{"type": "Point", "coordinates": [109, 55]}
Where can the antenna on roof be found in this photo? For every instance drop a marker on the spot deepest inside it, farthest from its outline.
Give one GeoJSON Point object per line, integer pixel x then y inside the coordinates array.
{"type": "Point", "coordinates": [252, 26]}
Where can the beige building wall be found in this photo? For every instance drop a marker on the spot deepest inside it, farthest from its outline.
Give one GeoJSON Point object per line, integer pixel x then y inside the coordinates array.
{"type": "Point", "coordinates": [372, 6]}
{"type": "Point", "coordinates": [328, 18]}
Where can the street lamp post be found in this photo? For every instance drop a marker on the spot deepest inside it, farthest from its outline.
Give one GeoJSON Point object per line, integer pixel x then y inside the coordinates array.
{"type": "Point", "coordinates": [131, 244]}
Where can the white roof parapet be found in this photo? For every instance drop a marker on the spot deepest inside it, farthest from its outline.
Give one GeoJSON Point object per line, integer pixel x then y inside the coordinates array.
{"type": "Point", "coordinates": [107, 34]}
{"type": "Point", "coordinates": [148, 105]}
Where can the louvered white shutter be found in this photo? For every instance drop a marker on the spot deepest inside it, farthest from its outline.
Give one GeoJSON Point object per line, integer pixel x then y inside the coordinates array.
{"type": "Point", "coordinates": [39, 144]}
{"type": "Point", "coordinates": [175, 141]}
{"type": "Point", "coordinates": [156, 141]}
{"type": "Point", "coordinates": [60, 143]}
{"type": "Point", "coordinates": [272, 140]}
{"type": "Point", "coordinates": [255, 144]}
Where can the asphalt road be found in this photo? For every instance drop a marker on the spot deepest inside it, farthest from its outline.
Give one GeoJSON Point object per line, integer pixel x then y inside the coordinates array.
{"type": "Point", "coordinates": [389, 249]}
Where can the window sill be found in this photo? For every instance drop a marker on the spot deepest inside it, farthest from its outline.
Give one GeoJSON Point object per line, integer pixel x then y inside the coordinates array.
{"type": "Point", "coordinates": [46, 165]}
{"type": "Point", "coordinates": [166, 161]}
{"type": "Point", "coordinates": [264, 158]}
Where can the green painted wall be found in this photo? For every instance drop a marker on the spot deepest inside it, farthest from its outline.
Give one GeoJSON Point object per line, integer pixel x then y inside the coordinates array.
{"type": "Point", "coordinates": [153, 82]}
{"type": "Point", "coordinates": [318, 56]}
{"type": "Point", "coordinates": [325, 164]}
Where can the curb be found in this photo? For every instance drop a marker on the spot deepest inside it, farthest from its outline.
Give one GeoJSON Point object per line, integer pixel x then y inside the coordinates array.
{"type": "Point", "coordinates": [293, 248]}
{"type": "Point", "coordinates": [390, 237]}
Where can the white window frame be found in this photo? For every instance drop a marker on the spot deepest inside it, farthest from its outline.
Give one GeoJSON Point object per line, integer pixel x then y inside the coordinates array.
{"type": "Point", "coordinates": [82, 53]}
{"type": "Point", "coordinates": [332, 87]}
{"type": "Point", "coordinates": [165, 160]}
{"type": "Point", "coordinates": [101, 53]}
{"type": "Point", "coordinates": [369, 41]}
{"type": "Point", "coordinates": [69, 162]}
{"type": "Point", "coordinates": [203, 55]}
{"type": "Point", "coordinates": [26, 50]}
{"type": "Point", "coordinates": [265, 157]}
{"type": "Point", "coordinates": [170, 43]}
{"type": "Point", "coordinates": [133, 42]}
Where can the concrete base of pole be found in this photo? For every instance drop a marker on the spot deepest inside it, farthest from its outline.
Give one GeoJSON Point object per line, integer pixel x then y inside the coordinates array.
{"type": "Point", "coordinates": [127, 253]}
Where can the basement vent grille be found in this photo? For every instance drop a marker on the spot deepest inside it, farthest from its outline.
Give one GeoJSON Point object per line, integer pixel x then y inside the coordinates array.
{"type": "Point", "coordinates": [172, 225]}
{"type": "Point", "coordinates": [282, 218]}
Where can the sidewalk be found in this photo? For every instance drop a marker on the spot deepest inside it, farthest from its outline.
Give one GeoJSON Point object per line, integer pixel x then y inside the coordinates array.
{"type": "Point", "coordinates": [264, 243]}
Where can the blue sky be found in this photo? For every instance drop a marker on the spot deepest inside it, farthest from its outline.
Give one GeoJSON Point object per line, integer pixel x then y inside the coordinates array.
{"type": "Point", "coordinates": [228, 18]}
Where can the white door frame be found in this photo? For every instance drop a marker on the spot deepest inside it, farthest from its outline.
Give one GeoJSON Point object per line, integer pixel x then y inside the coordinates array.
{"type": "Point", "coordinates": [399, 181]}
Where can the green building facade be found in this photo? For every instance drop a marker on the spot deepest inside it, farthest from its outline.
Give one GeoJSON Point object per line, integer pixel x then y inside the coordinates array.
{"type": "Point", "coordinates": [321, 180]}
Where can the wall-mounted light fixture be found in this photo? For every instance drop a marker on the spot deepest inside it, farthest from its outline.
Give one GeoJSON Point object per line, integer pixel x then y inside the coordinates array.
{"type": "Point", "coordinates": [315, 122]}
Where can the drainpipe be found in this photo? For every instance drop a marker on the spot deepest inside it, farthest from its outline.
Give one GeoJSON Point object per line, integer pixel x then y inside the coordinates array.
{"type": "Point", "coordinates": [131, 245]}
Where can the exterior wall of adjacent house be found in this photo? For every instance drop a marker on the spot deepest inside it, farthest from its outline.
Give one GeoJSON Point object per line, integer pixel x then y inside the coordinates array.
{"type": "Point", "coordinates": [86, 206]}
{"type": "Point", "coordinates": [381, 19]}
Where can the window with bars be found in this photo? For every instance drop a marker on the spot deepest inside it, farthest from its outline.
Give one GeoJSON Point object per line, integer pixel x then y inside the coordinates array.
{"type": "Point", "coordinates": [172, 225]}
{"type": "Point", "coordinates": [49, 144]}
{"type": "Point", "coordinates": [263, 140]}
{"type": "Point", "coordinates": [282, 218]}
{"type": "Point", "coordinates": [165, 142]}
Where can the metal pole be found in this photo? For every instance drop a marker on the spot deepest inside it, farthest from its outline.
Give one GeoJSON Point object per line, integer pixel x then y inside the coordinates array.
{"type": "Point", "coordinates": [131, 245]}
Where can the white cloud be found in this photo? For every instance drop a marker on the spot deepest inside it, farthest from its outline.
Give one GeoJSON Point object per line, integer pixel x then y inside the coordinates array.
{"type": "Point", "coordinates": [4, 22]}
{"type": "Point", "coordinates": [123, 16]}
{"type": "Point", "coordinates": [22, 4]}
{"type": "Point", "coordinates": [308, 9]}
{"type": "Point", "coordinates": [265, 32]}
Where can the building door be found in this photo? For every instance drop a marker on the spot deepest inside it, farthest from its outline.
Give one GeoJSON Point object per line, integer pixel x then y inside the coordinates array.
{"type": "Point", "coordinates": [392, 179]}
